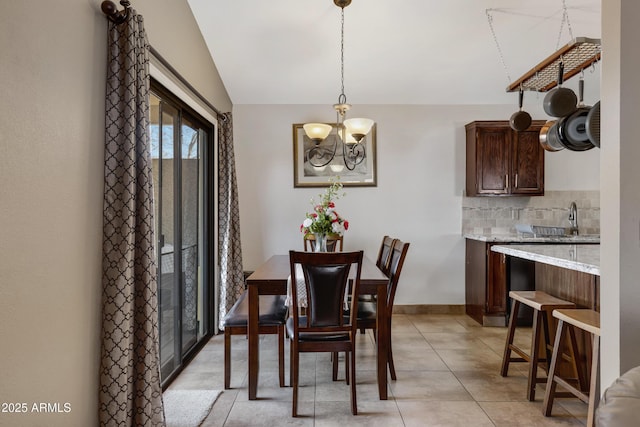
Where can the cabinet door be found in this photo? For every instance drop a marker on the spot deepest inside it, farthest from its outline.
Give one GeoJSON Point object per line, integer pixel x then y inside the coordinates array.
{"type": "Point", "coordinates": [475, 279]}
{"type": "Point", "coordinates": [496, 283]}
{"type": "Point", "coordinates": [528, 163]}
{"type": "Point", "coordinates": [493, 156]}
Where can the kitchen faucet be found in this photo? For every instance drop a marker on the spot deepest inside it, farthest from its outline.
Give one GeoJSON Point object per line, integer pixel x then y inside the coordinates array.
{"type": "Point", "coordinates": [573, 218]}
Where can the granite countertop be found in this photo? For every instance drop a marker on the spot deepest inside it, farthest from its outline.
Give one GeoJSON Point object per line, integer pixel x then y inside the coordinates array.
{"type": "Point", "coordinates": [524, 238]}
{"type": "Point", "coordinates": [585, 258]}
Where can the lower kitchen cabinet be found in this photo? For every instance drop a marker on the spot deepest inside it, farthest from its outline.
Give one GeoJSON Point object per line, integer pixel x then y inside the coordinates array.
{"type": "Point", "coordinates": [489, 276]}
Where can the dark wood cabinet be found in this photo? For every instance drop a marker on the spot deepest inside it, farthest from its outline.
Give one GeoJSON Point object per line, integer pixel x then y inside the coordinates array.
{"type": "Point", "coordinates": [489, 276]}
{"type": "Point", "coordinates": [503, 162]}
{"type": "Point", "coordinates": [485, 283]}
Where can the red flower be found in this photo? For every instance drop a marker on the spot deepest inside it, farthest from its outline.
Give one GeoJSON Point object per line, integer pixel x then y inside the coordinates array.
{"type": "Point", "coordinates": [332, 205]}
{"type": "Point", "coordinates": [346, 225]}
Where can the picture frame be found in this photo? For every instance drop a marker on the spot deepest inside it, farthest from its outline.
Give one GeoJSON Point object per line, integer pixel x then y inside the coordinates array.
{"type": "Point", "coordinates": [305, 174]}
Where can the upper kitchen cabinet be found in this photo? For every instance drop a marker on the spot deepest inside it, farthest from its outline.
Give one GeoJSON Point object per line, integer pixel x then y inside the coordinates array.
{"type": "Point", "coordinates": [503, 162]}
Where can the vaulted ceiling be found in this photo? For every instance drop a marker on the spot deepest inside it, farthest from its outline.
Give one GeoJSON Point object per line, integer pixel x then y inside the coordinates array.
{"type": "Point", "coordinates": [396, 52]}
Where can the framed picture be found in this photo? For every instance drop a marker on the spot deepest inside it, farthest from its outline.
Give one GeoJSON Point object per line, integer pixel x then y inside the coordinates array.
{"type": "Point", "coordinates": [315, 162]}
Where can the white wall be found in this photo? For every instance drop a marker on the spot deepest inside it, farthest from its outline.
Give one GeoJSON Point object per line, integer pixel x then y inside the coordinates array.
{"type": "Point", "coordinates": [51, 180]}
{"type": "Point", "coordinates": [610, 199]}
{"type": "Point", "coordinates": [51, 145]}
{"type": "Point", "coordinates": [421, 176]}
{"type": "Point", "coordinates": [620, 198]}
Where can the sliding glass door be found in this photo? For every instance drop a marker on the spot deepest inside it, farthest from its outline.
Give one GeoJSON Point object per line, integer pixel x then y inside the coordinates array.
{"type": "Point", "coordinates": [180, 143]}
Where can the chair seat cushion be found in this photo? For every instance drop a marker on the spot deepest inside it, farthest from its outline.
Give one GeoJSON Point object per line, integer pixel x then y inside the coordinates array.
{"type": "Point", "coordinates": [273, 311]}
{"type": "Point", "coordinates": [315, 336]}
{"type": "Point", "coordinates": [367, 310]}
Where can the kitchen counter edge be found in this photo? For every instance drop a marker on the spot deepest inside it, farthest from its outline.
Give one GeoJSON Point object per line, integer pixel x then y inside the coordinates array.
{"type": "Point", "coordinates": [584, 258]}
{"type": "Point", "coordinates": [521, 238]}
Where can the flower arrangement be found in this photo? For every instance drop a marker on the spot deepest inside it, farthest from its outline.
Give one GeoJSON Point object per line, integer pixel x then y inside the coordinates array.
{"type": "Point", "coordinates": [324, 219]}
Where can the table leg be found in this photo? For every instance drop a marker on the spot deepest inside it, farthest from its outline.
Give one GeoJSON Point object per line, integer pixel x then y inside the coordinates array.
{"type": "Point", "coordinates": [253, 338]}
{"type": "Point", "coordinates": [382, 329]}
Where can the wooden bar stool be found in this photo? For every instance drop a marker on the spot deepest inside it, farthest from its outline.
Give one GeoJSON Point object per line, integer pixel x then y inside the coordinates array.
{"type": "Point", "coordinates": [542, 304]}
{"type": "Point", "coordinates": [589, 321]}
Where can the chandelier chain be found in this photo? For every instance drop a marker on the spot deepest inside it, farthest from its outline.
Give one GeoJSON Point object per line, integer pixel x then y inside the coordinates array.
{"type": "Point", "coordinates": [343, 98]}
{"type": "Point", "coordinates": [353, 144]}
{"type": "Point", "coordinates": [495, 39]}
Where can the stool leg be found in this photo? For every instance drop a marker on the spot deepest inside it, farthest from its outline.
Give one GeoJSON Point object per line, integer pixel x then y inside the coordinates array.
{"type": "Point", "coordinates": [594, 388]}
{"type": "Point", "coordinates": [578, 367]}
{"type": "Point", "coordinates": [547, 339]}
{"type": "Point", "coordinates": [550, 392]}
{"type": "Point", "coordinates": [510, 334]}
{"type": "Point", "coordinates": [535, 355]}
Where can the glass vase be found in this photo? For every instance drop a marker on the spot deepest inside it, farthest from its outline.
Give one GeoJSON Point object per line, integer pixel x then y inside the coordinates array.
{"type": "Point", "coordinates": [320, 243]}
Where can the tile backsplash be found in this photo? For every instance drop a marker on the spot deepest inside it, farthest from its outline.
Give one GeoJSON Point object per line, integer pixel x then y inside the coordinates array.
{"type": "Point", "coordinates": [499, 215]}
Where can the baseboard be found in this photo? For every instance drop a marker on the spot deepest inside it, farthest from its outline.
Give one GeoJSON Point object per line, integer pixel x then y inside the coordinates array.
{"type": "Point", "coordinates": [429, 309]}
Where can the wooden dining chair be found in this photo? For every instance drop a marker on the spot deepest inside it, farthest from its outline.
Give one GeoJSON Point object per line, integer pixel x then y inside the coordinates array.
{"type": "Point", "coordinates": [382, 262]}
{"type": "Point", "coordinates": [325, 327]}
{"type": "Point", "coordinates": [367, 313]}
{"type": "Point", "coordinates": [384, 254]}
{"type": "Point", "coordinates": [273, 314]}
{"type": "Point", "coordinates": [334, 242]}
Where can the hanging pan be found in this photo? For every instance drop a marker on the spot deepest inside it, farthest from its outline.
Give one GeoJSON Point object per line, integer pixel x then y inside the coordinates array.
{"type": "Point", "coordinates": [560, 101]}
{"type": "Point", "coordinates": [593, 124]}
{"type": "Point", "coordinates": [573, 128]}
{"type": "Point", "coordinates": [549, 138]}
{"type": "Point", "coordinates": [520, 120]}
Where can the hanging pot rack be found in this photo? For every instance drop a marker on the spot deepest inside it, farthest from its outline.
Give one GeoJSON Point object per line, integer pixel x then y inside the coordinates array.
{"type": "Point", "coordinates": [577, 55]}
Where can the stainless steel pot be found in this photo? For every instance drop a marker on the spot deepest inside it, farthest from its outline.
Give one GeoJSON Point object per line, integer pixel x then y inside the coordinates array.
{"type": "Point", "coordinates": [549, 138]}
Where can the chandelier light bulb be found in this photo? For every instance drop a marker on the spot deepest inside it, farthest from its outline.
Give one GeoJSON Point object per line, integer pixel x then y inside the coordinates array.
{"type": "Point", "coordinates": [350, 138]}
{"type": "Point", "coordinates": [317, 132]}
{"type": "Point", "coordinates": [358, 127]}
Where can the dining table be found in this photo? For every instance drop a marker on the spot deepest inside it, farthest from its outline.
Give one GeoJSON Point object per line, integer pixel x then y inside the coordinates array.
{"type": "Point", "coordinates": [271, 278]}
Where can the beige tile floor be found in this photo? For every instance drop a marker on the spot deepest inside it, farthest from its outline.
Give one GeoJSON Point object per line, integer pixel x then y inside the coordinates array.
{"type": "Point", "coordinates": [448, 375]}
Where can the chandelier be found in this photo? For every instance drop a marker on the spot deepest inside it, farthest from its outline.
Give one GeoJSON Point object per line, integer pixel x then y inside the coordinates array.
{"type": "Point", "coordinates": [350, 133]}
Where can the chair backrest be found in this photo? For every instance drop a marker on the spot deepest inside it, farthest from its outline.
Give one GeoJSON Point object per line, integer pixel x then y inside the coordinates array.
{"type": "Point", "coordinates": [396, 261]}
{"type": "Point", "coordinates": [326, 276]}
{"type": "Point", "coordinates": [334, 242]}
{"type": "Point", "coordinates": [384, 254]}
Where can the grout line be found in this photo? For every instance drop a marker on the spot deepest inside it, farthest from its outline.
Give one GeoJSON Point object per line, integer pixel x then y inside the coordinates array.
{"type": "Point", "coordinates": [409, 324]}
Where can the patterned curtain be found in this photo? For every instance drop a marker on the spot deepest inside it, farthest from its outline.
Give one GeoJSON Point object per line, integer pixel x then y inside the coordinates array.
{"type": "Point", "coordinates": [229, 251]}
{"type": "Point", "coordinates": [130, 391]}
